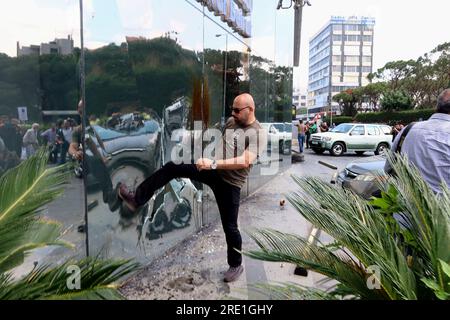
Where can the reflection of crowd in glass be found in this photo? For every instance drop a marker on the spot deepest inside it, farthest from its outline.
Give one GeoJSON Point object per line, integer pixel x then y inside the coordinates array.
{"type": "Point", "coordinates": [18, 141]}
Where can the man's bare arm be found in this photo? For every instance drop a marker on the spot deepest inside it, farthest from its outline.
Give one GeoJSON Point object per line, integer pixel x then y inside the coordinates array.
{"type": "Point", "coordinates": [242, 162]}
{"type": "Point", "coordinates": [74, 151]}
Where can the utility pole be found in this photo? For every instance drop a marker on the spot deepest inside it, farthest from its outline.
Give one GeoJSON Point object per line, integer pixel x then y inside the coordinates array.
{"type": "Point", "coordinates": [298, 8]}
{"type": "Point", "coordinates": [83, 119]}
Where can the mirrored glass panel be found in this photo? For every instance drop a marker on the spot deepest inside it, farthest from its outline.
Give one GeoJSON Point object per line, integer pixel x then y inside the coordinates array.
{"type": "Point", "coordinates": [271, 77]}
{"type": "Point", "coordinates": [143, 93]}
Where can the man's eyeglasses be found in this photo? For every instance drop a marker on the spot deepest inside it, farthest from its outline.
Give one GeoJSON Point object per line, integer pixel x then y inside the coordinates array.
{"type": "Point", "coordinates": [237, 110]}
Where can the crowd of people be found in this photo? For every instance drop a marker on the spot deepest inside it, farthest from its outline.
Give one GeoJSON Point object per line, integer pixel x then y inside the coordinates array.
{"type": "Point", "coordinates": [19, 143]}
{"type": "Point", "coordinates": [306, 130]}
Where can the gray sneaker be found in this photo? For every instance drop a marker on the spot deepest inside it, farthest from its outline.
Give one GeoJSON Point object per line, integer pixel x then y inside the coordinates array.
{"type": "Point", "coordinates": [233, 274]}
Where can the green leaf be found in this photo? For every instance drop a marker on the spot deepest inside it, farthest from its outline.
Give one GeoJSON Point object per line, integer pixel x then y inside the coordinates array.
{"type": "Point", "coordinates": [381, 203]}
{"type": "Point", "coordinates": [442, 295]}
{"type": "Point", "coordinates": [445, 267]}
{"type": "Point", "coordinates": [23, 193]}
{"type": "Point", "coordinates": [431, 284]}
{"type": "Point", "coordinates": [405, 257]}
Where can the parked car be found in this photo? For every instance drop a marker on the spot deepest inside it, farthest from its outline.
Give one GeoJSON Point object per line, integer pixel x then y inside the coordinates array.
{"type": "Point", "coordinates": [280, 132]}
{"type": "Point", "coordinates": [356, 137]}
{"type": "Point", "coordinates": [360, 176]}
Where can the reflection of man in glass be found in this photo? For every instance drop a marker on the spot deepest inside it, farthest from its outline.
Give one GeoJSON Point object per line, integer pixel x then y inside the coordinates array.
{"type": "Point", "coordinates": [225, 176]}
{"type": "Point", "coordinates": [95, 164]}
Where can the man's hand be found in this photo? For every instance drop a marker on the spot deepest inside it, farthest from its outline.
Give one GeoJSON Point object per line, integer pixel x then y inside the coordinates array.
{"type": "Point", "coordinates": [78, 155]}
{"type": "Point", "coordinates": [204, 164]}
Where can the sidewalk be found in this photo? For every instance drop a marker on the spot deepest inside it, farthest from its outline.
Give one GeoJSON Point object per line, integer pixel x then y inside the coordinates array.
{"type": "Point", "coordinates": [194, 270]}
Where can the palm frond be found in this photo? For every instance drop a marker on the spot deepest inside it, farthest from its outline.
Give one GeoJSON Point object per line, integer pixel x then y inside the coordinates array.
{"type": "Point", "coordinates": [291, 291]}
{"type": "Point", "coordinates": [366, 238]}
{"type": "Point", "coordinates": [353, 222]}
{"type": "Point", "coordinates": [428, 215]}
{"type": "Point", "coordinates": [280, 247]}
{"type": "Point", "coordinates": [24, 191]}
{"type": "Point", "coordinates": [40, 234]}
{"type": "Point", "coordinates": [97, 279]}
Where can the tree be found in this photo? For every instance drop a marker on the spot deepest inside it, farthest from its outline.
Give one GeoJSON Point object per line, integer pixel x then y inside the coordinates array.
{"type": "Point", "coordinates": [368, 259]}
{"type": "Point", "coordinates": [348, 101]}
{"type": "Point", "coordinates": [396, 101]}
{"type": "Point", "coordinates": [24, 191]}
{"type": "Point", "coordinates": [373, 92]}
{"type": "Point", "coordinates": [394, 72]}
{"type": "Point", "coordinates": [422, 79]}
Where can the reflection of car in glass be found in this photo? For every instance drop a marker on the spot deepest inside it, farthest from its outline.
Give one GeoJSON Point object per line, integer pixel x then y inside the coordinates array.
{"type": "Point", "coordinates": [137, 148]}
{"type": "Point", "coordinates": [281, 132]}
{"type": "Point", "coordinates": [175, 133]}
{"type": "Point", "coordinates": [356, 137]}
{"type": "Point", "coordinates": [172, 207]}
{"type": "Point", "coordinates": [360, 175]}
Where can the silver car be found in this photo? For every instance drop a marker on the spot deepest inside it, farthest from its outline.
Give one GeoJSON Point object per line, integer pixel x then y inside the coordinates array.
{"type": "Point", "coordinates": [360, 176]}
{"type": "Point", "coordinates": [353, 137]}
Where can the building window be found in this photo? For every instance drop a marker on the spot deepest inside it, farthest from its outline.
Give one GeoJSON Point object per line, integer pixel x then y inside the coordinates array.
{"type": "Point", "coordinates": [352, 50]}
{"type": "Point", "coordinates": [352, 69]}
{"type": "Point", "coordinates": [367, 51]}
{"type": "Point", "coordinates": [351, 59]}
{"type": "Point", "coordinates": [352, 27]}
{"type": "Point", "coordinates": [352, 38]}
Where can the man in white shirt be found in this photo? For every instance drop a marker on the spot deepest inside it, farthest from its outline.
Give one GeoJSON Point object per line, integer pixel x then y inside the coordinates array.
{"type": "Point", "coordinates": [30, 140]}
{"type": "Point", "coordinates": [427, 145]}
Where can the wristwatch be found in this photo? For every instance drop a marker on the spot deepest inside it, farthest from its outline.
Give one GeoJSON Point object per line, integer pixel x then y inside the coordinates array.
{"type": "Point", "coordinates": [214, 165]}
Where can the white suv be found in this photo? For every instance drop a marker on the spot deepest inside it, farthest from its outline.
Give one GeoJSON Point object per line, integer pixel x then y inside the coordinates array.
{"type": "Point", "coordinates": [357, 137]}
{"type": "Point", "coordinates": [281, 132]}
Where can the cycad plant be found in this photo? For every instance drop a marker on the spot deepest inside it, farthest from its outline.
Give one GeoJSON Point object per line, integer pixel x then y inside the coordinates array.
{"type": "Point", "coordinates": [395, 247]}
{"type": "Point", "coordinates": [24, 191]}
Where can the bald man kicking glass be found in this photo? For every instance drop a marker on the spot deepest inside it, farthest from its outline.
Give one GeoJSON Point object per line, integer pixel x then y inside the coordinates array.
{"type": "Point", "coordinates": [242, 141]}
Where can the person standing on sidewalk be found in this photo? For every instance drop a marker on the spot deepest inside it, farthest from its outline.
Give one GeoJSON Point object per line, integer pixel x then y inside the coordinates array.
{"type": "Point", "coordinates": [307, 134]}
{"type": "Point", "coordinates": [30, 140]}
{"type": "Point", "coordinates": [301, 127]}
{"type": "Point", "coordinates": [225, 176]}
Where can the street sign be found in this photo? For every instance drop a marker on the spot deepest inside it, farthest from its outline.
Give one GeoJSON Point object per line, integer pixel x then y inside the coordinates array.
{"type": "Point", "coordinates": [23, 113]}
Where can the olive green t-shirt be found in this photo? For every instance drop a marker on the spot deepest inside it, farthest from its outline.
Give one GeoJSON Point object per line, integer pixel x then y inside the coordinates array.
{"type": "Point", "coordinates": [235, 140]}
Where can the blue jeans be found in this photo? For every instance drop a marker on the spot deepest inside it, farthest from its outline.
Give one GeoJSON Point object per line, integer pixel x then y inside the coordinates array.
{"type": "Point", "coordinates": [301, 142]}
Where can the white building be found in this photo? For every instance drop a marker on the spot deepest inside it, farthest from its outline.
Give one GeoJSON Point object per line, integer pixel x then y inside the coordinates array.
{"type": "Point", "coordinates": [299, 99]}
{"type": "Point", "coordinates": [340, 58]}
{"type": "Point", "coordinates": [59, 46]}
